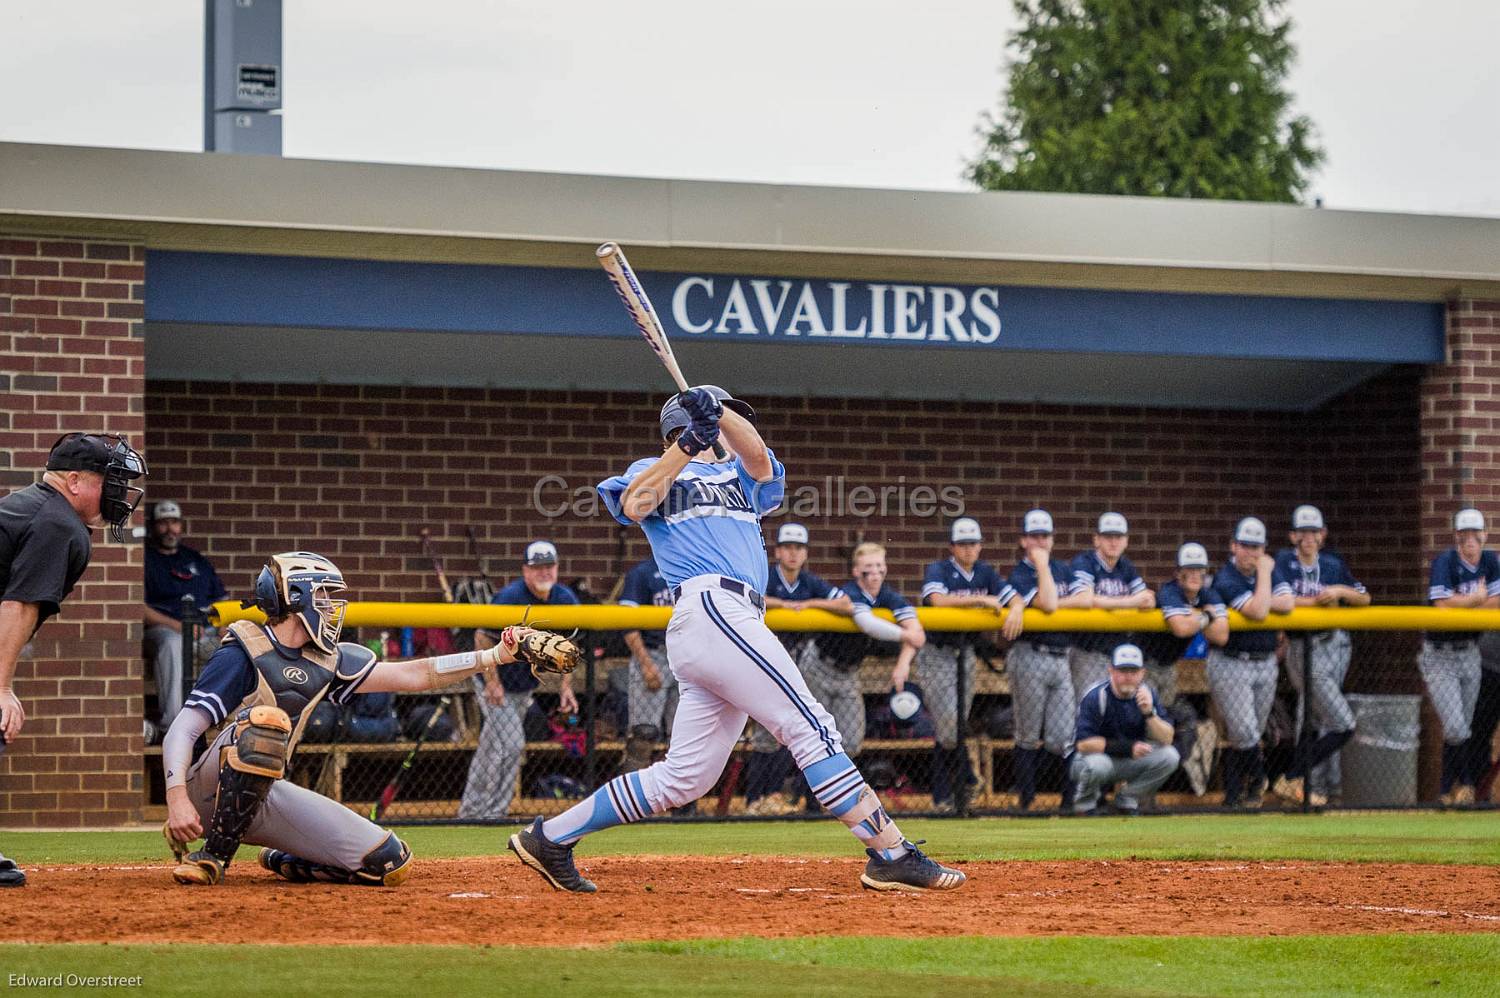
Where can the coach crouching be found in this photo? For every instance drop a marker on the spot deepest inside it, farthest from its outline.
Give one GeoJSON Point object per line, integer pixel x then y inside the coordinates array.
{"type": "Point", "coordinates": [1122, 735]}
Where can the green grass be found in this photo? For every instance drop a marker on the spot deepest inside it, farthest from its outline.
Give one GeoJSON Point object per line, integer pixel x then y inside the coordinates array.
{"type": "Point", "coordinates": [1389, 837]}
{"type": "Point", "coordinates": [1099, 967]}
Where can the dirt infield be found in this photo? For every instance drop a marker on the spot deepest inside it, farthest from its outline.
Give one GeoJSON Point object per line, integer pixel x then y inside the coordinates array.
{"type": "Point", "coordinates": [500, 902]}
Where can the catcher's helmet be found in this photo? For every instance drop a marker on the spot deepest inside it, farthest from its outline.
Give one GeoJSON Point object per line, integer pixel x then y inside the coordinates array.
{"type": "Point", "coordinates": [674, 418]}
{"type": "Point", "coordinates": [302, 583]}
{"type": "Point", "coordinates": [111, 456]}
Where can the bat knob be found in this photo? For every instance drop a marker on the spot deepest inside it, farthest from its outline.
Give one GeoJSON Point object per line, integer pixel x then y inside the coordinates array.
{"type": "Point", "coordinates": [606, 250]}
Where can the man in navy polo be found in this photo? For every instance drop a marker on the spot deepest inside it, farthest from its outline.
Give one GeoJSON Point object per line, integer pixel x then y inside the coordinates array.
{"type": "Point", "coordinates": [173, 570]}
{"type": "Point", "coordinates": [504, 700]}
{"type": "Point", "coordinates": [1121, 735]}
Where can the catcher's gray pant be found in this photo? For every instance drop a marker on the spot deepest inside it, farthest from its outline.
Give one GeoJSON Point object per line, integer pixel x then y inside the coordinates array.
{"type": "Point", "coordinates": [1162, 679]}
{"type": "Point", "coordinates": [1041, 690]}
{"type": "Point", "coordinates": [291, 818]}
{"type": "Point", "coordinates": [497, 761]}
{"type": "Point", "coordinates": [1244, 689]}
{"type": "Point", "coordinates": [1087, 668]}
{"type": "Point", "coordinates": [937, 669]}
{"type": "Point", "coordinates": [1095, 771]}
{"type": "Point", "coordinates": [654, 707]}
{"type": "Point", "coordinates": [1452, 677]}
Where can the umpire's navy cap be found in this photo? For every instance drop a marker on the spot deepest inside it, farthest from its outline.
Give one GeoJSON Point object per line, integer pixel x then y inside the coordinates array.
{"type": "Point", "coordinates": [80, 452]}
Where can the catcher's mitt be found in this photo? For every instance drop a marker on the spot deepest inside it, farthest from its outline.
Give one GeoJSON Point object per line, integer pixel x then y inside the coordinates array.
{"type": "Point", "coordinates": [544, 651]}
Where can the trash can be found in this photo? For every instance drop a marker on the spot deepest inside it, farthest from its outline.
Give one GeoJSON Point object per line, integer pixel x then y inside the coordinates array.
{"type": "Point", "coordinates": [1380, 762]}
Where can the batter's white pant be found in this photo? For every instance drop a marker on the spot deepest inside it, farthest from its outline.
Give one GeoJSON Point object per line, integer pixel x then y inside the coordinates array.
{"type": "Point", "coordinates": [729, 665]}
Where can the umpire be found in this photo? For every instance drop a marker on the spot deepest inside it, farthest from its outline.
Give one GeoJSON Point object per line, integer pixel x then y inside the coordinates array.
{"type": "Point", "coordinates": [45, 547]}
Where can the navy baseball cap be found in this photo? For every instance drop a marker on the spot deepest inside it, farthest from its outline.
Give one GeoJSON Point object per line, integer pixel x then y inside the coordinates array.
{"type": "Point", "coordinates": [540, 553]}
{"type": "Point", "coordinates": [81, 452]}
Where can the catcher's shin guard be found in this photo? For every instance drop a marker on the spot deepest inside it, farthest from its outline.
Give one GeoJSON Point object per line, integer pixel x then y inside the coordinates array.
{"type": "Point", "coordinates": [256, 760]}
{"type": "Point", "coordinates": [387, 865]}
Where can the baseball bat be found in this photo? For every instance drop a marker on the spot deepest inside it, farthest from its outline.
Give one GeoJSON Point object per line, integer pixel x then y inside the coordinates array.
{"type": "Point", "coordinates": [478, 558]}
{"type": "Point", "coordinates": [633, 296]}
{"type": "Point", "coordinates": [437, 565]}
{"type": "Point", "coordinates": [389, 793]}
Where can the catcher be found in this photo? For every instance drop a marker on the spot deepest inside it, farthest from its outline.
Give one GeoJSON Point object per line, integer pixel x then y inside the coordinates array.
{"type": "Point", "coordinates": [265, 680]}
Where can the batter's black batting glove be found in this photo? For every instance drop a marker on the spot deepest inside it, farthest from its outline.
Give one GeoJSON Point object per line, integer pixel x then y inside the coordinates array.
{"type": "Point", "coordinates": [700, 436]}
{"type": "Point", "coordinates": [701, 404]}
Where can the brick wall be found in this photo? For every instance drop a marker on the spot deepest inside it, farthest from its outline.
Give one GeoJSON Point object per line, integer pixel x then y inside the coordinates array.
{"type": "Point", "coordinates": [1460, 403]}
{"type": "Point", "coordinates": [74, 359]}
{"type": "Point", "coordinates": [355, 472]}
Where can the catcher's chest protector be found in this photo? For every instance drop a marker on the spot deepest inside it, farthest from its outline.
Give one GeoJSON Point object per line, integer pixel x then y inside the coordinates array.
{"type": "Point", "coordinates": [295, 686]}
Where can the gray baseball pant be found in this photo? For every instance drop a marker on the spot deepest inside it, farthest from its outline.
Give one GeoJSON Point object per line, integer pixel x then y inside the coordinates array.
{"type": "Point", "coordinates": [496, 764]}
{"type": "Point", "coordinates": [1095, 771]}
{"type": "Point", "coordinates": [292, 818]}
{"type": "Point", "coordinates": [1244, 689]}
{"type": "Point", "coordinates": [937, 670]}
{"type": "Point", "coordinates": [1452, 677]}
{"type": "Point", "coordinates": [1041, 690]}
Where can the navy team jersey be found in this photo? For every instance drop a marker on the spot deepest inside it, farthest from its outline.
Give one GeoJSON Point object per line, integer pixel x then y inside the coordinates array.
{"type": "Point", "coordinates": [1309, 580]}
{"type": "Point", "coordinates": [1236, 588]}
{"type": "Point", "coordinates": [516, 677]}
{"type": "Point", "coordinates": [1101, 714]}
{"type": "Point", "coordinates": [1122, 580]}
{"type": "Point", "coordinates": [1165, 648]}
{"type": "Point", "coordinates": [1023, 582]}
{"type": "Point", "coordinates": [184, 572]}
{"type": "Point", "coordinates": [229, 677]}
{"type": "Point", "coordinates": [945, 578]}
{"type": "Point", "coordinates": [848, 650]}
{"type": "Point", "coordinates": [1452, 576]}
{"type": "Point", "coordinates": [805, 586]}
{"type": "Point", "coordinates": [709, 522]}
{"type": "Point", "coordinates": [644, 586]}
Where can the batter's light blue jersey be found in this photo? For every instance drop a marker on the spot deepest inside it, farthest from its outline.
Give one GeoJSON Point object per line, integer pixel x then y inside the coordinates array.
{"type": "Point", "coordinates": [709, 524]}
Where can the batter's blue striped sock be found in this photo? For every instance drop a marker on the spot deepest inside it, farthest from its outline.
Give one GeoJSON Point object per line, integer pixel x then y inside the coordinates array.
{"type": "Point", "coordinates": [837, 784]}
{"type": "Point", "coordinates": [619, 802]}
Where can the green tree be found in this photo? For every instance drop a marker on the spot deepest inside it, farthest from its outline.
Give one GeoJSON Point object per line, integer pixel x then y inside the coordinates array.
{"type": "Point", "coordinates": [1172, 98]}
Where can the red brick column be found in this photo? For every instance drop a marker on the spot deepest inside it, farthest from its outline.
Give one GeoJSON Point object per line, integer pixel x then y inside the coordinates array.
{"type": "Point", "coordinates": [73, 354]}
{"type": "Point", "coordinates": [1461, 425]}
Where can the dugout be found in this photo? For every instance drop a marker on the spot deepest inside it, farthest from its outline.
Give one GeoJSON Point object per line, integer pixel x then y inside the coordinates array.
{"type": "Point", "coordinates": [335, 354]}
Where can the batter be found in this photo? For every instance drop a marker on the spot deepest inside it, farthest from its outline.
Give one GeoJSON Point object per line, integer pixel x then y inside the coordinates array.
{"type": "Point", "coordinates": [702, 517]}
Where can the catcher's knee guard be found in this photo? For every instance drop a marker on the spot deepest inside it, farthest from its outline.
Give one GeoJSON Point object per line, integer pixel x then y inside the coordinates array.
{"type": "Point", "coordinates": [247, 769]}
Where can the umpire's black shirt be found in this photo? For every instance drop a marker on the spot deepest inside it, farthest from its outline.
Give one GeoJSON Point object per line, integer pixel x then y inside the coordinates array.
{"type": "Point", "coordinates": [44, 548]}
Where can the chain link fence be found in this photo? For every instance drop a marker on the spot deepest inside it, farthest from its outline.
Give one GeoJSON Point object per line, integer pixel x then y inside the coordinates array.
{"type": "Point", "coordinates": [1389, 723]}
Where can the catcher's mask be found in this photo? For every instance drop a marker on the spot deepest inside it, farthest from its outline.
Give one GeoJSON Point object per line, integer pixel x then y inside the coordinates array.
{"type": "Point", "coordinates": [675, 419]}
{"type": "Point", "coordinates": [303, 583]}
{"type": "Point", "coordinates": [108, 455]}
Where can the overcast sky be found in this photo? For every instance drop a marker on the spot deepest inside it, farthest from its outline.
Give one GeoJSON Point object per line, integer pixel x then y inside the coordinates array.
{"type": "Point", "coordinates": [1406, 96]}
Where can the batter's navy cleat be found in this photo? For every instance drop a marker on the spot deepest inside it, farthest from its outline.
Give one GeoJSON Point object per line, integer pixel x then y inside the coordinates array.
{"type": "Point", "coordinates": [199, 869]}
{"type": "Point", "coordinates": [913, 872]}
{"type": "Point", "coordinates": [552, 861]}
{"type": "Point", "coordinates": [11, 875]}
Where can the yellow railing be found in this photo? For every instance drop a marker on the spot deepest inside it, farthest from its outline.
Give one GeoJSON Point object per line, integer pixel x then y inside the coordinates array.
{"type": "Point", "coordinates": [621, 618]}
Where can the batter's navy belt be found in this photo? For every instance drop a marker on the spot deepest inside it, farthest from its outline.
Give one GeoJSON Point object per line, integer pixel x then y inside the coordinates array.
{"type": "Point", "coordinates": [735, 586]}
